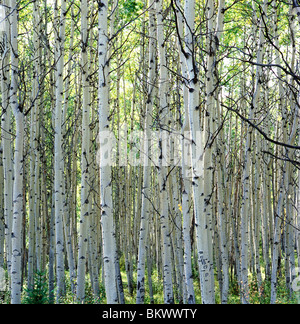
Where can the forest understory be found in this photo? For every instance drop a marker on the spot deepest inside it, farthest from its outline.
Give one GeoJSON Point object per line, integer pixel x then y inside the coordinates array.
{"type": "Point", "coordinates": [149, 152]}
{"type": "Point", "coordinates": [258, 295]}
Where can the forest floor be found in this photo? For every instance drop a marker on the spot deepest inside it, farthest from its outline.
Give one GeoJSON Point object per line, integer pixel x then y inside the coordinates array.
{"type": "Point", "coordinates": [257, 296]}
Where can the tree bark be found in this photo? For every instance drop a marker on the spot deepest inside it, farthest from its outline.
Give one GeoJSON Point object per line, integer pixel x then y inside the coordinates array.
{"type": "Point", "coordinates": [107, 219]}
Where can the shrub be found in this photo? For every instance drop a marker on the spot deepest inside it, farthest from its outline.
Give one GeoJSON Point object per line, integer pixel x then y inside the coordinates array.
{"type": "Point", "coordinates": [38, 295]}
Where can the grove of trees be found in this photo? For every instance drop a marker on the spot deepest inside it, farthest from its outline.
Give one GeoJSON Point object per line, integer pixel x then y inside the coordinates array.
{"type": "Point", "coordinates": [150, 151]}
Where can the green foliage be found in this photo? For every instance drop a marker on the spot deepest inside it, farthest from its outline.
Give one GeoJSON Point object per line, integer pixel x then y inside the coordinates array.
{"type": "Point", "coordinates": [38, 295]}
{"type": "Point", "coordinates": [130, 9]}
{"type": "Point", "coordinates": [4, 298]}
{"type": "Point", "coordinates": [5, 295]}
{"type": "Point", "coordinates": [70, 297]}
{"type": "Point", "coordinates": [261, 295]}
{"type": "Point", "coordinates": [91, 298]}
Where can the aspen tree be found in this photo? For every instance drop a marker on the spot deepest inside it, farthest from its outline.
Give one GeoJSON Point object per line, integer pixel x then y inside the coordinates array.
{"type": "Point", "coordinates": [205, 266]}
{"type": "Point", "coordinates": [298, 216]}
{"type": "Point", "coordinates": [279, 211]}
{"type": "Point", "coordinates": [289, 242]}
{"type": "Point", "coordinates": [219, 153]}
{"type": "Point", "coordinates": [107, 221]}
{"type": "Point", "coordinates": [2, 220]}
{"type": "Point", "coordinates": [222, 213]}
{"type": "Point", "coordinates": [164, 152]}
{"type": "Point", "coordinates": [7, 138]}
{"type": "Point", "coordinates": [186, 164]}
{"type": "Point", "coordinates": [145, 215]}
{"type": "Point", "coordinates": [18, 162]}
{"type": "Point", "coordinates": [94, 223]}
{"type": "Point", "coordinates": [2, 175]}
{"type": "Point", "coordinates": [256, 209]}
{"type": "Point", "coordinates": [266, 194]}
{"type": "Point", "coordinates": [73, 198]}
{"type": "Point", "coordinates": [298, 219]}
{"type": "Point", "coordinates": [67, 182]}
{"type": "Point", "coordinates": [85, 159]}
{"type": "Point", "coordinates": [286, 172]}
{"type": "Point", "coordinates": [31, 229]}
{"type": "Point", "coordinates": [296, 9]}
{"type": "Point", "coordinates": [246, 173]}
{"type": "Point", "coordinates": [278, 220]}
{"type": "Point", "coordinates": [58, 155]}
{"type": "Point", "coordinates": [176, 221]}
{"type": "Point", "coordinates": [35, 224]}
{"type": "Point", "coordinates": [209, 128]}
{"type": "Point", "coordinates": [51, 222]}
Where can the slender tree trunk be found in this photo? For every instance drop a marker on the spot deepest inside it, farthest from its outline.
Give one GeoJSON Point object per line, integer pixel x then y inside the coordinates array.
{"type": "Point", "coordinates": [58, 154]}
{"type": "Point", "coordinates": [107, 219]}
{"type": "Point", "coordinates": [16, 235]}
{"type": "Point", "coordinates": [146, 190]}
{"type": "Point", "coordinates": [164, 152]}
{"type": "Point", "coordinates": [2, 220]}
{"type": "Point", "coordinates": [6, 134]}
{"type": "Point", "coordinates": [186, 165]}
{"type": "Point", "coordinates": [279, 211]}
{"type": "Point", "coordinates": [85, 159]}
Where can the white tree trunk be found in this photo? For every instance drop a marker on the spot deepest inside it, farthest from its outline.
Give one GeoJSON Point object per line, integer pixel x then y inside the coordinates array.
{"type": "Point", "coordinates": [6, 126]}
{"type": "Point", "coordinates": [164, 151]}
{"type": "Point", "coordinates": [2, 220]}
{"type": "Point", "coordinates": [186, 165]}
{"type": "Point", "coordinates": [107, 218]}
{"type": "Point", "coordinates": [203, 242]}
{"type": "Point", "coordinates": [146, 190]}
{"type": "Point", "coordinates": [18, 163]}
{"type": "Point", "coordinates": [85, 158]}
{"type": "Point", "coordinates": [58, 154]}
